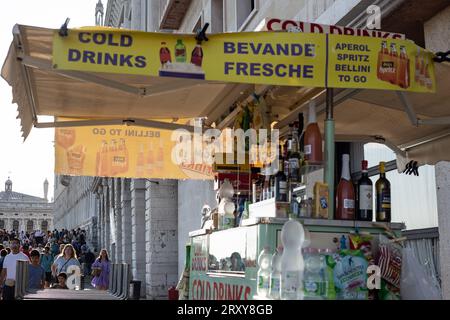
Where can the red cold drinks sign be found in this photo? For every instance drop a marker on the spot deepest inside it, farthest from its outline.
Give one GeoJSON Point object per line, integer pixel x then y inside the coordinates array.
{"type": "Point", "coordinates": [275, 24]}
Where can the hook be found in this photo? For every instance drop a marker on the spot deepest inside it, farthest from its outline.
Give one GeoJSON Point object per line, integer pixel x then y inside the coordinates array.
{"type": "Point", "coordinates": [63, 31]}
{"type": "Point", "coordinates": [201, 35]}
{"type": "Point", "coordinates": [442, 56]}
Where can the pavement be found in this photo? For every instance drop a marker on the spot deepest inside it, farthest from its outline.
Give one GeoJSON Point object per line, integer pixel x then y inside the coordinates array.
{"type": "Point", "coordinates": [88, 293]}
{"type": "Point", "coordinates": [65, 294]}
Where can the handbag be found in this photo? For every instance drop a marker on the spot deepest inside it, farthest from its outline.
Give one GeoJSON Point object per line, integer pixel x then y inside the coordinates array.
{"type": "Point", "coordinates": [96, 272]}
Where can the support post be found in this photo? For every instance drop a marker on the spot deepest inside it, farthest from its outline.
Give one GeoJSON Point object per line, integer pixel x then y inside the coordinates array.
{"type": "Point", "coordinates": [329, 151]}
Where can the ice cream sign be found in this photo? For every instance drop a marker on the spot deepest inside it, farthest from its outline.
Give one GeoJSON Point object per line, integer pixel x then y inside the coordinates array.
{"type": "Point", "coordinates": [318, 56]}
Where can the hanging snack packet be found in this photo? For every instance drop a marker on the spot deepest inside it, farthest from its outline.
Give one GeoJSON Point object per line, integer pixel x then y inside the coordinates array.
{"type": "Point", "coordinates": [363, 242]}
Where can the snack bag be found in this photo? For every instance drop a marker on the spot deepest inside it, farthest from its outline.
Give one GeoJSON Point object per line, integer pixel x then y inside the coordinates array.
{"type": "Point", "coordinates": [390, 261]}
{"type": "Point", "coordinates": [350, 275]}
{"type": "Point", "coordinates": [363, 242]}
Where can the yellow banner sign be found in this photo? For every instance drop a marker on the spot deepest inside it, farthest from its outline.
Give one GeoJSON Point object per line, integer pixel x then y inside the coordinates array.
{"type": "Point", "coordinates": [123, 151]}
{"type": "Point", "coordinates": [274, 58]}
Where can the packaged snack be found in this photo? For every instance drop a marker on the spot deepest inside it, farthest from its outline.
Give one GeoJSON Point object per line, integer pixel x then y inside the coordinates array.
{"type": "Point", "coordinates": [390, 261]}
{"type": "Point", "coordinates": [350, 275]}
{"type": "Point", "coordinates": [363, 242]}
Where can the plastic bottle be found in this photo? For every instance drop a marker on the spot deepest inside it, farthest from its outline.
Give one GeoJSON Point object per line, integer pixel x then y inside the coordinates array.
{"type": "Point", "coordinates": [275, 275]}
{"type": "Point", "coordinates": [292, 265]}
{"type": "Point", "coordinates": [264, 263]}
{"type": "Point", "coordinates": [313, 277]}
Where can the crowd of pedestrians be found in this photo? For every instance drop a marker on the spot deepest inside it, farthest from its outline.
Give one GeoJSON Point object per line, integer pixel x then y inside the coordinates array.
{"type": "Point", "coordinates": [49, 254]}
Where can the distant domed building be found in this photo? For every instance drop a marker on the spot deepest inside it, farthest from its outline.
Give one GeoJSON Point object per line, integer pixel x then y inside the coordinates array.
{"type": "Point", "coordinates": [22, 212]}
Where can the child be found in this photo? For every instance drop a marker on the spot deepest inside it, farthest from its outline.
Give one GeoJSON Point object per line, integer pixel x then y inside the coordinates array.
{"type": "Point", "coordinates": [62, 278]}
{"type": "Point", "coordinates": [36, 274]}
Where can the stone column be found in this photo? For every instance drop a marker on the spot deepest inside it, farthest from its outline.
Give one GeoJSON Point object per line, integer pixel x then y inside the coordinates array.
{"type": "Point", "coordinates": [107, 193]}
{"type": "Point", "coordinates": [126, 220]}
{"type": "Point", "coordinates": [118, 220]}
{"type": "Point", "coordinates": [161, 237]}
{"type": "Point", "coordinates": [138, 231]}
{"type": "Point", "coordinates": [100, 221]}
{"type": "Point", "coordinates": [442, 172]}
{"type": "Point", "coordinates": [136, 15]}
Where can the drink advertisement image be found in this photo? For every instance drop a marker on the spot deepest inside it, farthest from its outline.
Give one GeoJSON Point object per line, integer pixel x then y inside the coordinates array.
{"type": "Point", "coordinates": [390, 64]}
{"type": "Point", "coordinates": [180, 66]}
{"type": "Point", "coordinates": [129, 152]}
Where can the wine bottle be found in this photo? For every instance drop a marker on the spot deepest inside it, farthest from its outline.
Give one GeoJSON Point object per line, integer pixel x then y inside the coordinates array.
{"type": "Point", "coordinates": [294, 155]}
{"type": "Point", "coordinates": [280, 181]}
{"type": "Point", "coordinates": [383, 196]}
{"type": "Point", "coordinates": [313, 138]}
{"type": "Point", "coordinates": [365, 195]}
{"type": "Point", "coordinates": [345, 195]}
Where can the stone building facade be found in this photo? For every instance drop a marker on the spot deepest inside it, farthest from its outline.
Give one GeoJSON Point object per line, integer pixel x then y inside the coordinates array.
{"type": "Point", "coordinates": [22, 212]}
{"type": "Point", "coordinates": [76, 206]}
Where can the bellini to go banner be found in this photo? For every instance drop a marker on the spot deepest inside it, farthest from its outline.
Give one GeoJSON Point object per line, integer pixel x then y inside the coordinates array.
{"type": "Point", "coordinates": [273, 58]}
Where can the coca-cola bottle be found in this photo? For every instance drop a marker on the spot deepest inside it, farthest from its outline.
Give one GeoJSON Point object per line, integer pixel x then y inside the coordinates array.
{"type": "Point", "coordinates": [197, 55]}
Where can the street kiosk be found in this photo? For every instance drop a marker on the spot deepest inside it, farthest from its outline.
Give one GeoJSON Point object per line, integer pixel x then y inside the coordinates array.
{"type": "Point", "coordinates": [111, 90]}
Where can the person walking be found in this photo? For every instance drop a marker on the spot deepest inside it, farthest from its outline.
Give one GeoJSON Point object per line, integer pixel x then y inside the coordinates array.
{"type": "Point", "coordinates": [46, 263]}
{"type": "Point", "coordinates": [100, 271]}
{"type": "Point", "coordinates": [66, 259]}
{"type": "Point", "coordinates": [36, 274]}
{"type": "Point", "coordinates": [8, 274]}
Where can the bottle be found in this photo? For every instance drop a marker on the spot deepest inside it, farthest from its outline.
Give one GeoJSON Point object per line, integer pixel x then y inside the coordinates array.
{"type": "Point", "coordinates": [313, 138]}
{"type": "Point", "coordinates": [381, 57]}
{"type": "Point", "coordinates": [313, 279]}
{"type": "Point", "coordinates": [164, 55]}
{"type": "Point", "coordinates": [197, 55]}
{"type": "Point", "coordinates": [280, 181]}
{"type": "Point", "coordinates": [264, 263]}
{"type": "Point", "coordinates": [140, 165]}
{"type": "Point", "coordinates": [293, 155]}
{"type": "Point", "coordinates": [345, 195]}
{"type": "Point", "coordinates": [295, 208]}
{"type": "Point", "coordinates": [292, 264]}
{"type": "Point", "coordinates": [150, 160]}
{"type": "Point", "coordinates": [404, 78]}
{"type": "Point", "coordinates": [287, 147]}
{"type": "Point", "coordinates": [301, 138]}
{"type": "Point", "coordinates": [160, 158]}
{"type": "Point", "coordinates": [364, 195]}
{"type": "Point", "coordinates": [303, 209]}
{"type": "Point", "coordinates": [417, 66]}
{"type": "Point", "coordinates": [180, 51]}
{"type": "Point", "coordinates": [275, 275]}
{"type": "Point", "coordinates": [383, 196]}
{"type": "Point", "coordinates": [394, 57]}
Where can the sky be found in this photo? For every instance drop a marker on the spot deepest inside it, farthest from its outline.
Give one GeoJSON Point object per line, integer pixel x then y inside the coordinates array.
{"type": "Point", "coordinates": [29, 163]}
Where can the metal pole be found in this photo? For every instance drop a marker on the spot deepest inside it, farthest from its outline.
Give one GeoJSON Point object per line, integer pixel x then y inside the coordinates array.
{"type": "Point", "coordinates": [329, 151]}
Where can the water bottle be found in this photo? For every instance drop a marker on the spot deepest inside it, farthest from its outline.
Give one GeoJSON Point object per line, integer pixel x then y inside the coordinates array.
{"type": "Point", "coordinates": [264, 262]}
{"type": "Point", "coordinates": [275, 276]}
{"type": "Point", "coordinates": [314, 275]}
{"type": "Point", "coordinates": [292, 265]}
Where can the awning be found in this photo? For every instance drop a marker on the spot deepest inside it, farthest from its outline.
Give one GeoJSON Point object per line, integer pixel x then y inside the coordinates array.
{"type": "Point", "coordinates": [415, 125]}
{"type": "Point", "coordinates": [40, 90]}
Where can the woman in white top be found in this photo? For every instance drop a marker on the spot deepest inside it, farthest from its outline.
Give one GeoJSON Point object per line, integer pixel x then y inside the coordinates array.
{"type": "Point", "coordinates": [66, 259]}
